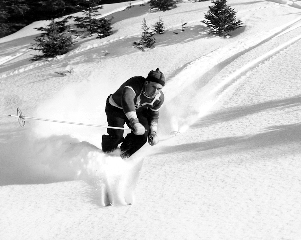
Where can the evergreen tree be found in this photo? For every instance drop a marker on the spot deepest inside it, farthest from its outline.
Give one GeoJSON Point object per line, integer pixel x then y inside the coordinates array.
{"type": "Point", "coordinates": [48, 9]}
{"type": "Point", "coordinates": [4, 27]}
{"type": "Point", "coordinates": [159, 27]}
{"type": "Point", "coordinates": [162, 5]}
{"type": "Point", "coordinates": [221, 19]}
{"type": "Point", "coordinates": [17, 8]}
{"type": "Point", "coordinates": [72, 6]}
{"type": "Point", "coordinates": [88, 21]}
{"type": "Point", "coordinates": [15, 14]}
{"type": "Point", "coordinates": [147, 37]}
{"type": "Point", "coordinates": [12, 16]}
{"type": "Point", "coordinates": [103, 27]}
{"type": "Point", "coordinates": [52, 8]}
{"type": "Point", "coordinates": [53, 41]}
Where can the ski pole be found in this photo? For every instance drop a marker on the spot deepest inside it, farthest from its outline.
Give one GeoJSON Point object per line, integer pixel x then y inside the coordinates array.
{"type": "Point", "coordinates": [22, 118]}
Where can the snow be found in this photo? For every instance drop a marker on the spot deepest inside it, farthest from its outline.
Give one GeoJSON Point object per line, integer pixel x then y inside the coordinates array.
{"type": "Point", "coordinates": [228, 164]}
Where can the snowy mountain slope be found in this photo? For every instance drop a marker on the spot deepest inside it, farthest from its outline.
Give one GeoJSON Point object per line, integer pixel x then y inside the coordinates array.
{"type": "Point", "coordinates": [232, 173]}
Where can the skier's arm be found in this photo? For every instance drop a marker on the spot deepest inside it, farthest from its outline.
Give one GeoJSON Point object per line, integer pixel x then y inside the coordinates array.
{"type": "Point", "coordinates": [152, 136]}
{"type": "Point", "coordinates": [128, 105]}
{"type": "Point", "coordinates": [127, 100]}
{"type": "Point", "coordinates": [154, 118]}
{"type": "Point", "coordinates": [154, 114]}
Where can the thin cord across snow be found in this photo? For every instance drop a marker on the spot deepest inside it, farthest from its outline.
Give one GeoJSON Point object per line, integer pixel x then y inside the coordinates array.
{"type": "Point", "coordinates": [22, 118]}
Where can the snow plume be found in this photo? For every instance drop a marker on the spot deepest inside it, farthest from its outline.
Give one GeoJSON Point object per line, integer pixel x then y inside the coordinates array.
{"type": "Point", "coordinates": [53, 152]}
{"type": "Point", "coordinates": [78, 103]}
{"type": "Point", "coordinates": [50, 152]}
{"type": "Point", "coordinates": [118, 177]}
{"type": "Point", "coordinates": [29, 160]}
{"type": "Point", "coordinates": [33, 160]}
{"type": "Point", "coordinates": [187, 95]}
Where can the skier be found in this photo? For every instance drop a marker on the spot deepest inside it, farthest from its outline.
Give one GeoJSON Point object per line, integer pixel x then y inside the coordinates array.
{"type": "Point", "coordinates": [136, 103]}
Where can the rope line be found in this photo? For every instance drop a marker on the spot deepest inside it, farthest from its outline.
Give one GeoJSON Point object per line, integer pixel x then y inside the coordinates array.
{"type": "Point", "coordinates": [22, 118]}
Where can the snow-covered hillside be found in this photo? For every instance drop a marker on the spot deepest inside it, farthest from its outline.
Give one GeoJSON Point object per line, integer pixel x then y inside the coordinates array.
{"type": "Point", "coordinates": [232, 171]}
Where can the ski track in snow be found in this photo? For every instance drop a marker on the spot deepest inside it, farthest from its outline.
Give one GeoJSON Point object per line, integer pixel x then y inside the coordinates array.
{"type": "Point", "coordinates": [229, 83]}
{"type": "Point", "coordinates": [207, 102]}
{"type": "Point", "coordinates": [6, 59]}
{"type": "Point", "coordinates": [112, 180]}
{"type": "Point", "coordinates": [211, 94]}
{"type": "Point", "coordinates": [96, 45]}
{"type": "Point", "coordinates": [120, 181]}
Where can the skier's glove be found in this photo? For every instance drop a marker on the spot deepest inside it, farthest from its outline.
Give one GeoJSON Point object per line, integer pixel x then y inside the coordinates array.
{"type": "Point", "coordinates": [153, 138]}
{"type": "Point", "coordinates": [136, 126]}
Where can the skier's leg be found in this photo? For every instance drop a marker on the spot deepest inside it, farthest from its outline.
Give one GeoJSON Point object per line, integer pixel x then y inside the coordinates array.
{"type": "Point", "coordinates": [115, 118]}
{"type": "Point", "coordinates": [110, 142]}
{"type": "Point", "coordinates": [132, 142]}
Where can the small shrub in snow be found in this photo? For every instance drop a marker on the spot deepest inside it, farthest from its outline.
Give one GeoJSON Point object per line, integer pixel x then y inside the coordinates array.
{"type": "Point", "coordinates": [163, 5]}
{"type": "Point", "coordinates": [147, 38]}
{"type": "Point", "coordinates": [129, 5]}
{"type": "Point", "coordinates": [53, 41]}
{"type": "Point", "coordinates": [183, 26]}
{"type": "Point", "coordinates": [221, 19]}
{"type": "Point", "coordinates": [159, 27]}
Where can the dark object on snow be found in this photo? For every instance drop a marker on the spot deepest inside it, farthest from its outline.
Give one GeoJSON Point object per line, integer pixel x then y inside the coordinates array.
{"type": "Point", "coordinates": [159, 27]}
{"type": "Point", "coordinates": [147, 39]}
{"type": "Point", "coordinates": [54, 40]}
{"type": "Point", "coordinates": [221, 19]}
{"type": "Point", "coordinates": [135, 103]}
{"type": "Point", "coordinates": [163, 5]}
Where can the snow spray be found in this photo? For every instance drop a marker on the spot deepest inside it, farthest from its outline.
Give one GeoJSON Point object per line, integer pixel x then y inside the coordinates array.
{"type": "Point", "coordinates": [48, 152]}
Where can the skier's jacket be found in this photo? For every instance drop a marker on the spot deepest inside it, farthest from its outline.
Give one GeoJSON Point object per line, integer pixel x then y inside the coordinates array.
{"type": "Point", "coordinates": [131, 97]}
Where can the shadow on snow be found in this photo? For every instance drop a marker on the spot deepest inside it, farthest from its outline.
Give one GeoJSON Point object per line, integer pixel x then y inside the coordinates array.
{"type": "Point", "coordinates": [239, 112]}
{"type": "Point", "coordinates": [276, 135]}
{"type": "Point", "coordinates": [272, 136]}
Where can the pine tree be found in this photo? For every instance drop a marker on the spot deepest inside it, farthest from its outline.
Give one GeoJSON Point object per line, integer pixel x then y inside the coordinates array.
{"type": "Point", "coordinates": [221, 19]}
{"type": "Point", "coordinates": [53, 41]}
{"type": "Point", "coordinates": [4, 26]}
{"type": "Point", "coordinates": [17, 8]}
{"type": "Point", "coordinates": [159, 27]}
{"type": "Point", "coordinates": [52, 8]}
{"type": "Point", "coordinates": [12, 16]}
{"type": "Point", "coordinates": [15, 14]}
{"type": "Point", "coordinates": [88, 20]}
{"type": "Point", "coordinates": [162, 5]}
{"type": "Point", "coordinates": [103, 27]}
{"type": "Point", "coordinates": [147, 39]}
